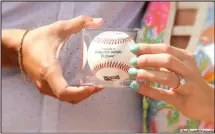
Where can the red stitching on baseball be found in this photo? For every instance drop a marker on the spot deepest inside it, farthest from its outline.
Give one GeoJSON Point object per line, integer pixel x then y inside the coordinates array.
{"type": "Point", "coordinates": [112, 41]}
{"type": "Point", "coordinates": [111, 64]}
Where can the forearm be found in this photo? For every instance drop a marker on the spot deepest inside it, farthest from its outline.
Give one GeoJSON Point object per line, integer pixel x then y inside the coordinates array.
{"type": "Point", "coordinates": [10, 42]}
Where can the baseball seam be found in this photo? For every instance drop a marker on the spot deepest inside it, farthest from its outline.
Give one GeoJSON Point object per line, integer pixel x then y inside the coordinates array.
{"type": "Point", "coordinates": [111, 64]}
{"type": "Point", "coordinates": [112, 41]}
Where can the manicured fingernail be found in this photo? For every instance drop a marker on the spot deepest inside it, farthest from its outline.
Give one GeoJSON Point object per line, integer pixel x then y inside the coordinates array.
{"type": "Point", "coordinates": [135, 48]}
{"type": "Point", "coordinates": [133, 61]}
{"type": "Point", "coordinates": [134, 85]}
{"type": "Point", "coordinates": [133, 71]}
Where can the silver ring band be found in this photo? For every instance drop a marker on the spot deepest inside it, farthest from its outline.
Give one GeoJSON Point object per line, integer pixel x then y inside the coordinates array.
{"type": "Point", "coordinates": [181, 82]}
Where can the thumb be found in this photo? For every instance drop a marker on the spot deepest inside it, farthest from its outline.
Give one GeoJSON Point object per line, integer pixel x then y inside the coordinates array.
{"type": "Point", "coordinates": [53, 75]}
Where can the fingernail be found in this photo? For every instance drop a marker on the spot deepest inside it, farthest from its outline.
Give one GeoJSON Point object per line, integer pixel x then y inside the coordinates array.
{"type": "Point", "coordinates": [133, 71]}
{"type": "Point", "coordinates": [133, 61]}
{"type": "Point", "coordinates": [135, 48]}
{"type": "Point", "coordinates": [134, 85]}
{"type": "Point", "coordinates": [100, 87]}
{"type": "Point", "coordinates": [97, 19]}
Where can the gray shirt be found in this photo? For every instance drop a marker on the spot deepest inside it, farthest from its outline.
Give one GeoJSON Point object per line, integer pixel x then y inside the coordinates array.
{"type": "Point", "coordinates": [24, 109]}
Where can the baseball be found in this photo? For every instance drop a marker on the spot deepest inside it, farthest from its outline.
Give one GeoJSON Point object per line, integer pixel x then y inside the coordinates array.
{"type": "Point", "coordinates": [109, 55]}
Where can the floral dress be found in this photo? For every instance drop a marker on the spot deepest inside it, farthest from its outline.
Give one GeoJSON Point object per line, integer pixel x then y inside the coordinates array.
{"type": "Point", "coordinates": [159, 116]}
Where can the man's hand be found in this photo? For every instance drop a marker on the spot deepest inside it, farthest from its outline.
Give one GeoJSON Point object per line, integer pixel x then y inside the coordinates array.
{"type": "Point", "coordinates": [40, 57]}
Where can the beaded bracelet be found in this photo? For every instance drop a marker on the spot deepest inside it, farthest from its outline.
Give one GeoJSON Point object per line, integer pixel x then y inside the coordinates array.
{"type": "Point", "coordinates": [20, 57]}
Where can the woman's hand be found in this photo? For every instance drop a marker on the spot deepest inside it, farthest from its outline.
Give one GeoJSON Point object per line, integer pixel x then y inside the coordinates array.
{"type": "Point", "coordinates": [194, 98]}
{"type": "Point", "coordinates": [40, 57]}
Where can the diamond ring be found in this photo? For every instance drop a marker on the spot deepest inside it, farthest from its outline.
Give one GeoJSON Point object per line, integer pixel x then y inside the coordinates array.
{"type": "Point", "coordinates": [181, 82]}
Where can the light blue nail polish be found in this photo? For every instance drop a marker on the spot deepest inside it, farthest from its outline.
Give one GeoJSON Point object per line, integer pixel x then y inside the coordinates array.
{"type": "Point", "coordinates": [135, 48]}
{"type": "Point", "coordinates": [134, 85]}
{"type": "Point", "coordinates": [133, 71]}
{"type": "Point", "coordinates": [133, 61]}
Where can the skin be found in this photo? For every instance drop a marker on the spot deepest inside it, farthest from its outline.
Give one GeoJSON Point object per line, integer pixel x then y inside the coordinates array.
{"type": "Point", "coordinates": [194, 95]}
{"type": "Point", "coordinates": [45, 72]}
{"type": "Point", "coordinates": [44, 69]}
{"type": "Point", "coordinates": [195, 99]}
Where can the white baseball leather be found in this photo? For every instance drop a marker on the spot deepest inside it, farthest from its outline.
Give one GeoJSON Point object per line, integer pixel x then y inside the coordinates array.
{"type": "Point", "coordinates": [109, 55]}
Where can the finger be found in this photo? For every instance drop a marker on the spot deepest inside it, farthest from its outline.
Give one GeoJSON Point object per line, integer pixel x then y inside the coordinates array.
{"type": "Point", "coordinates": [162, 61]}
{"type": "Point", "coordinates": [156, 69]}
{"type": "Point", "coordinates": [77, 94]}
{"type": "Point", "coordinates": [161, 94]}
{"type": "Point", "coordinates": [75, 25]}
{"type": "Point", "coordinates": [85, 93]}
{"type": "Point", "coordinates": [164, 78]}
{"type": "Point", "coordinates": [163, 70]}
{"type": "Point", "coordinates": [183, 91]}
{"type": "Point", "coordinates": [184, 87]}
{"type": "Point", "coordinates": [53, 75]}
{"type": "Point", "coordinates": [160, 48]}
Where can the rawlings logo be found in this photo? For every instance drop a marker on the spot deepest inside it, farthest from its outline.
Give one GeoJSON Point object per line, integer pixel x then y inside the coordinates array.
{"type": "Point", "coordinates": [111, 78]}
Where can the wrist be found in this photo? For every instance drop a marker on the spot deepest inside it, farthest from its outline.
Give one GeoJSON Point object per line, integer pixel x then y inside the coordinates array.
{"type": "Point", "coordinates": [11, 40]}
